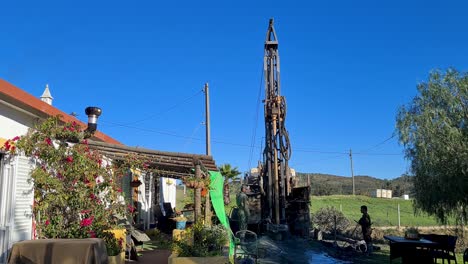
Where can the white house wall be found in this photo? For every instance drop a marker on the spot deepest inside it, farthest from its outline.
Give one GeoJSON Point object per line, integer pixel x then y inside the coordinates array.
{"type": "Point", "coordinates": [23, 201]}
{"type": "Point", "coordinates": [14, 123]}
{"type": "Point", "coordinates": [15, 201]}
{"type": "Point", "coordinates": [168, 192]}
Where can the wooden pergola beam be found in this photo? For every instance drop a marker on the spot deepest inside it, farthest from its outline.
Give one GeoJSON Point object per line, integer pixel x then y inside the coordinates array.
{"type": "Point", "coordinates": [168, 164]}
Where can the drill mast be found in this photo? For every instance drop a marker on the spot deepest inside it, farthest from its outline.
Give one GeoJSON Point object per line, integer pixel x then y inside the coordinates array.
{"type": "Point", "coordinates": [275, 172]}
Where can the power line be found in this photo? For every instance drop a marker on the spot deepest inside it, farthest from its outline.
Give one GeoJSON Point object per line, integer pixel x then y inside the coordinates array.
{"type": "Point", "coordinates": [379, 144]}
{"type": "Point", "coordinates": [378, 154]}
{"type": "Point", "coordinates": [321, 152]}
{"type": "Point", "coordinates": [191, 136]}
{"type": "Point", "coordinates": [166, 110]}
{"type": "Point", "coordinates": [250, 146]}
{"type": "Point", "coordinates": [254, 134]}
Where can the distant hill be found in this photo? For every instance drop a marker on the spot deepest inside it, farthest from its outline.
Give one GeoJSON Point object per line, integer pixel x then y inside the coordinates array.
{"type": "Point", "coordinates": [327, 184]}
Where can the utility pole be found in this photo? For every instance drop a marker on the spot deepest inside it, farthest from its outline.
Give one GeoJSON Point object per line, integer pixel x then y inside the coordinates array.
{"type": "Point", "coordinates": [208, 151]}
{"type": "Point", "coordinates": [352, 172]}
{"type": "Point", "coordinates": [207, 121]}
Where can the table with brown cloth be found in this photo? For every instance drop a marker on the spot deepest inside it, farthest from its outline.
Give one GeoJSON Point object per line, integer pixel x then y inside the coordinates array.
{"type": "Point", "coordinates": [59, 251]}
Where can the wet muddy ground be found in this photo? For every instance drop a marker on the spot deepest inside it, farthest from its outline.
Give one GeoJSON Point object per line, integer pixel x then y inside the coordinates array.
{"type": "Point", "coordinates": [293, 250]}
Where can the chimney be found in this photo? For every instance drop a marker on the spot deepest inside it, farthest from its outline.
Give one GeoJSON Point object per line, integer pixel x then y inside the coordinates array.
{"type": "Point", "coordinates": [46, 97]}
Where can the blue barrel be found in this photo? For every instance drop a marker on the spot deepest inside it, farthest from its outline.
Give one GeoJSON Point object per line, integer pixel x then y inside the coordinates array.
{"type": "Point", "coordinates": [180, 225]}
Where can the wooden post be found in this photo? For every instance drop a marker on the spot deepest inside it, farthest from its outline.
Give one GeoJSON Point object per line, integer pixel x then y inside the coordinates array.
{"type": "Point", "coordinates": [208, 152]}
{"type": "Point", "coordinates": [352, 170]}
{"type": "Point", "coordinates": [207, 208]}
{"type": "Point", "coordinates": [197, 194]}
{"type": "Point", "coordinates": [398, 216]}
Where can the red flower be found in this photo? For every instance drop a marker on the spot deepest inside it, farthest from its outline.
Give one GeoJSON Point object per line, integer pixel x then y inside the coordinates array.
{"type": "Point", "coordinates": [119, 190]}
{"type": "Point", "coordinates": [47, 222]}
{"type": "Point", "coordinates": [16, 138]}
{"type": "Point", "coordinates": [131, 209]}
{"type": "Point", "coordinates": [85, 211]}
{"type": "Point", "coordinates": [87, 221]}
{"type": "Point", "coordinates": [99, 162]}
{"type": "Point", "coordinates": [7, 145]}
{"type": "Point", "coordinates": [85, 141]}
{"type": "Point", "coordinates": [48, 141]}
{"type": "Point", "coordinates": [92, 196]}
{"type": "Point", "coordinates": [13, 148]}
{"type": "Point", "coordinates": [69, 159]}
{"type": "Point", "coordinates": [92, 234]}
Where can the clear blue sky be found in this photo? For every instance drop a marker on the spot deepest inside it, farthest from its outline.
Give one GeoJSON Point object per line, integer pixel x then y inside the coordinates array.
{"type": "Point", "coordinates": [346, 67]}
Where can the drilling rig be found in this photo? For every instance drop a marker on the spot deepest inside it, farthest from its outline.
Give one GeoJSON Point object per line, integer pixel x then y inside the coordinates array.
{"type": "Point", "coordinates": [278, 200]}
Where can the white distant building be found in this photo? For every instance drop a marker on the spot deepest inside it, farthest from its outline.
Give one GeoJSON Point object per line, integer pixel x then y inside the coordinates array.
{"type": "Point", "coordinates": [382, 193]}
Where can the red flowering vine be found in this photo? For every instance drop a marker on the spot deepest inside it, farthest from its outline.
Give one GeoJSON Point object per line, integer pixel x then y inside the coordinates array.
{"type": "Point", "coordinates": [87, 221]}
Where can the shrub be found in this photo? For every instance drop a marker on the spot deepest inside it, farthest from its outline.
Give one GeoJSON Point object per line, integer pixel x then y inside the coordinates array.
{"type": "Point", "coordinates": [202, 241]}
{"type": "Point", "coordinates": [76, 190]}
{"type": "Point", "coordinates": [324, 220]}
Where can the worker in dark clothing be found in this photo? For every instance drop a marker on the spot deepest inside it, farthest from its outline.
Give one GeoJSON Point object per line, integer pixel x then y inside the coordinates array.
{"type": "Point", "coordinates": [366, 223]}
{"type": "Point", "coordinates": [242, 205]}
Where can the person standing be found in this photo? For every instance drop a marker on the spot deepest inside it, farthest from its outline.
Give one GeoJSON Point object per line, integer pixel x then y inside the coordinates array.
{"type": "Point", "coordinates": [243, 211]}
{"type": "Point", "coordinates": [366, 223]}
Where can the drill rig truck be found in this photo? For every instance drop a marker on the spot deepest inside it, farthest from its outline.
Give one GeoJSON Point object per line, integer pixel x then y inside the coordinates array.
{"type": "Point", "coordinates": [278, 199]}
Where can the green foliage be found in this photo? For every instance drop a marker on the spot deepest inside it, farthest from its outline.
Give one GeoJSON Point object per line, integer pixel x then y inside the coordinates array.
{"type": "Point", "coordinates": [114, 246]}
{"type": "Point", "coordinates": [76, 193]}
{"type": "Point", "coordinates": [202, 241]}
{"type": "Point", "coordinates": [325, 184]}
{"type": "Point", "coordinates": [229, 173]}
{"type": "Point", "coordinates": [434, 132]}
{"type": "Point", "coordinates": [159, 239]}
{"type": "Point", "coordinates": [383, 212]}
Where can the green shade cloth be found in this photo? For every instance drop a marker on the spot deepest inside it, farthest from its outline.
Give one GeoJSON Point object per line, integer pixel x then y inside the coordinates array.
{"type": "Point", "coordinates": [217, 200]}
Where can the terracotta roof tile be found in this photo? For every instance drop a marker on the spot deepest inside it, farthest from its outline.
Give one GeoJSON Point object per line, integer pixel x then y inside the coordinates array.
{"type": "Point", "coordinates": [28, 102]}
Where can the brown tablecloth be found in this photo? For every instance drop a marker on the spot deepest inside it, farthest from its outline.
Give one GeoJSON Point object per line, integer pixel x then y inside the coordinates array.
{"type": "Point", "coordinates": [59, 251]}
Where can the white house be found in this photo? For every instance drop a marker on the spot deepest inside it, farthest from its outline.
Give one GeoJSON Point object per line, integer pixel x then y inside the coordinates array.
{"type": "Point", "coordinates": [20, 111]}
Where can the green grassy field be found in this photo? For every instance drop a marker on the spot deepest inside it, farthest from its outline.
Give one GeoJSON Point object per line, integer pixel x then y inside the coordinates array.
{"type": "Point", "coordinates": [383, 212]}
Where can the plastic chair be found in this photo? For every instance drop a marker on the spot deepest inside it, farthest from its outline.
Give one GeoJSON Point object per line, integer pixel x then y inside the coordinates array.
{"type": "Point", "coordinates": [447, 247]}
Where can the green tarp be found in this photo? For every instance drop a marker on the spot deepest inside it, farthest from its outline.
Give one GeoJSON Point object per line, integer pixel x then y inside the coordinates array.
{"type": "Point", "coordinates": [217, 200]}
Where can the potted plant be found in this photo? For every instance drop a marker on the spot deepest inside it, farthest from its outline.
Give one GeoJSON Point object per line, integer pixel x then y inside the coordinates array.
{"type": "Point", "coordinates": [201, 244]}
{"type": "Point", "coordinates": [181, 221]}
{"type": "Point", "coordinates": [412, 233]}
{"type": "Point", "coordinates": [114, 247]}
